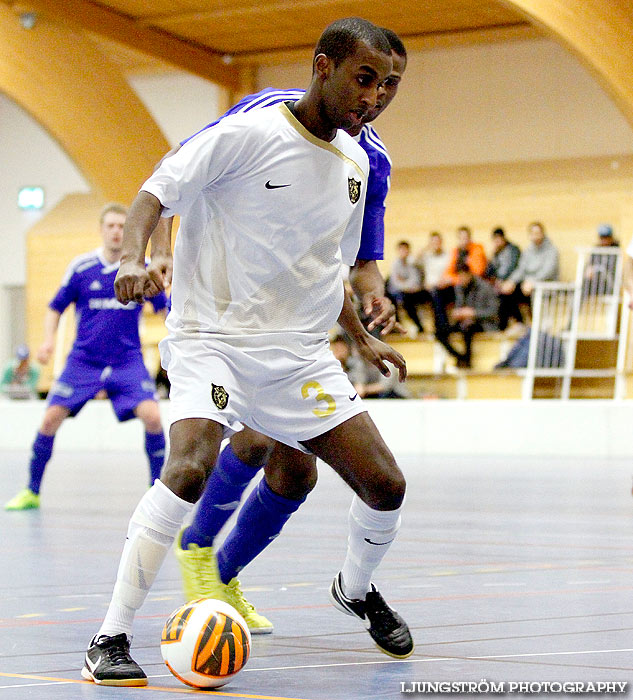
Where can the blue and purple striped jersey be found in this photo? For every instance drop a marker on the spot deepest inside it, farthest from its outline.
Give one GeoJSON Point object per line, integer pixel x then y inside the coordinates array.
{"type": "Point", "coordinates": [372, 241]}
{"type": "Point", "coordinates": [107, 331]}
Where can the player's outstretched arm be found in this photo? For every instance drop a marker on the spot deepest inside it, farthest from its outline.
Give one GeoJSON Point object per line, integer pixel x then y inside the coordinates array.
{"type": "Point", "coordinates": [51, 323]}
{"type": "Point", "coordinates": [371, 349]}
{"type": "Point", "coordinates": [161, 266]}
{"type": "Point", "coordinates": [369, 286]}
{"type": "Point", "coordinates": [132, 281]}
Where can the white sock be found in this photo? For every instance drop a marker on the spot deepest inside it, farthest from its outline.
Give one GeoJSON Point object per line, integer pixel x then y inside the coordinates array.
{"type": "Point", "coordinates": [371, 533]}
{"type": "Point", "coordinates": [151, 532]}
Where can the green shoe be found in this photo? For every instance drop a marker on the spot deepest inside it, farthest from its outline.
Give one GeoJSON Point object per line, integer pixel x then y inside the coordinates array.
{"type": "Point", "coordinates": [201, 579]}
{"type": "Point", "coordinates": [25, 500]}
{"type": "Point", "coordinates": [257, 624]}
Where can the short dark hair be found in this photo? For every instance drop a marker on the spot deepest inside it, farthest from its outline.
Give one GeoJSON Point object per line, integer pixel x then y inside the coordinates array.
{"type": "Point", "coordinates": [462, 266]}
{"type": "Point", "coordinates": [404, 243]}
{"type": "Point", "coordinates": [341, 38]}
{"type": "Point", "coordinates": [499, 232]}
{"type": "Point", "coordinates": [395, 42]}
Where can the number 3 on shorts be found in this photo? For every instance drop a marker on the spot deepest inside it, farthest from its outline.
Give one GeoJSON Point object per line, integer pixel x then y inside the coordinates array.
{"type": "Point", "coordinates": [320, 396]}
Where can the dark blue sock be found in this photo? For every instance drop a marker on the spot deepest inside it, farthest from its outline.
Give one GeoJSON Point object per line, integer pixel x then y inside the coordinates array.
{"type": "Point", "coordinates": [260, 520]}
{"type": "Point", "coordinates": [221, 497]}
{"type": "Point", "coordinates": [155, 448]}
{"type": "Point", "coordinates": [41, 452]}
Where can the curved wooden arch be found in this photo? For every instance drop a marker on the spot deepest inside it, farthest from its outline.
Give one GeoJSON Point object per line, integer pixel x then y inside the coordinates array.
{"type": "Point", "coordinates": [69, 87]}
{"type": "Point", "coordinates": [599, 32]}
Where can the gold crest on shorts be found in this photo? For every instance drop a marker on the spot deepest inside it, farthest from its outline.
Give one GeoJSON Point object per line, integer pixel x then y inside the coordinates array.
{"type": "Point", "coordinates": [353, 189]}
{"type": "Point", "coordinates": [220, 396]}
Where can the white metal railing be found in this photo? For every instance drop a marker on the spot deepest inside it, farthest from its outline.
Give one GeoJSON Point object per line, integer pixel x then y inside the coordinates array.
{"type": "Point", "coordinates": [586, 309]}
{"type": "Point", "coordinates": [599, 280]}
{"type": "Point", "coordinates": [623, 344]}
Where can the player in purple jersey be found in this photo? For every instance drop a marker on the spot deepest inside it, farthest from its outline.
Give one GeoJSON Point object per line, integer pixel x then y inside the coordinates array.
{"type": "Point", "coordinates": [286, 470]}
{"type": "Point", "coordinates": [106, 355]}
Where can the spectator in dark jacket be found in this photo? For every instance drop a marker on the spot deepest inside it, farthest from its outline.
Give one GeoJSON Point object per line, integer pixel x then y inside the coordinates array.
{"type": "Point", "coordinates": [505, 258]}
{"type": "Point", "coordinates": [476, 310]}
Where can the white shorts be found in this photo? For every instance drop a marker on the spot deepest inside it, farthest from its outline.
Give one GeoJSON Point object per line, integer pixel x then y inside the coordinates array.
{"type": "Point", "coordinates": [288, 393]}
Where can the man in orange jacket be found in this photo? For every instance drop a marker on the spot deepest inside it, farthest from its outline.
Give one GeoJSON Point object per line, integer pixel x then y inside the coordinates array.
{"type": "Point", "coordinates": [468, 252]}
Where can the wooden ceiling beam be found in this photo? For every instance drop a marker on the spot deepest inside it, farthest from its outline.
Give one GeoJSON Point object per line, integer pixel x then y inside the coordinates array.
{"type": "Point", "coordinates": [94, 18]}
{"type": "Point", "coordinates": [599, 32]}
{"type": "Point", "coordinates": [236, 11]}
{"type": "Point", "coordinates": [520, 31]}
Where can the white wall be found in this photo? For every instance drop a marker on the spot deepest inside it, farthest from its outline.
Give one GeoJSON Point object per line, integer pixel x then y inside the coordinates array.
{"type": "Point", "coordinates": [409, 427]}
{"type": "Point", "coordinates": [29, 156]}
{"type": "Point", "coordinates": [524, 100]}
{"type": "Point", "coordinates": [180, 103]}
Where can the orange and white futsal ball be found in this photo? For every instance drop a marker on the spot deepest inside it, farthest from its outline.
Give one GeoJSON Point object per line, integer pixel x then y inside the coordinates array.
{"type": "Point", "coordinates": [205, 643]}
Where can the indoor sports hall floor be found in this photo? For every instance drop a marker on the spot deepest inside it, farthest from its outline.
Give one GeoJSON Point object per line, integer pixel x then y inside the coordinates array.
{"type": "Point", "coordinates": [505, 569]}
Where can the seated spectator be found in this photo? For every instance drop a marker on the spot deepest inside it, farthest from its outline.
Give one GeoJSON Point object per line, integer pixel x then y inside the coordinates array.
{"type": "Point", "coordinates": [433, 261]}
{"type": "Point", "coordinates": [367, 382]}
{"type": "Point", "coordinates": [20, 377]}
{"type": "Point", "coordinates": [503, 263]}
{"type": "Point", "coordinates": [599, 273]}
{"type": "Point", "coordinates": [476, 310]}
{"type": "Point", "coordinates": [405, 284]}
{"type": "Point", "coordinates": [467, 253]}
{"type": "Point", "coordinates": [538, 263]}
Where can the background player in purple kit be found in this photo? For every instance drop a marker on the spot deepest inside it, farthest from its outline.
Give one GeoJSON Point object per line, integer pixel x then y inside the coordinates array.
{"type": "Point", "coordinates": [265, 512]}
{"type": "Point", "coordinates": [106, 355]}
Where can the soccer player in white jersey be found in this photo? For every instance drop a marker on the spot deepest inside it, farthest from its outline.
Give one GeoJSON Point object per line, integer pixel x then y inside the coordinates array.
{"type": "Point", "coordinates": [271, 207]}
{"type": "Point", "coordinates": [208, 573]}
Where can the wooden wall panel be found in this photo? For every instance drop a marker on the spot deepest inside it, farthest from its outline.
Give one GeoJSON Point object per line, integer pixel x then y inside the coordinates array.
{"type": "Point", "coordinates": [570, 197]}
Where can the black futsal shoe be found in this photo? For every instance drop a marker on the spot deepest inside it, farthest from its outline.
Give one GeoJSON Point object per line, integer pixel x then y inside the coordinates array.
{"type": "Point", "coordinates": [385, 626]}
{"type": "Point", "coordinates": [108, 662]}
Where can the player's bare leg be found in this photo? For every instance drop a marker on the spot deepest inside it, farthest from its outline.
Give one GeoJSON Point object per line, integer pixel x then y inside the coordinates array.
{"type": "Point", "coordinates": [357, 452]}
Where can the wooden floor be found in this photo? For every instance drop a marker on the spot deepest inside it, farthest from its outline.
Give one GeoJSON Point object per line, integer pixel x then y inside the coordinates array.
{"type": "Point", "coordinates": [506, 569]}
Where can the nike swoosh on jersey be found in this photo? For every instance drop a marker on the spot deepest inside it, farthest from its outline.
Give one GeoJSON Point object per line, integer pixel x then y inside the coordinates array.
{"type": "Point", "coordinates": [352, 398]}
{"type": "Point", "coordinates": [275, 187]}
{"type": "Point", "coordinates": [378, 544]}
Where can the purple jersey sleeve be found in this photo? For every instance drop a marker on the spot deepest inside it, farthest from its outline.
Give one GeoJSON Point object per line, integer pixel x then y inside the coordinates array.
{"type": "Point", "coordinates": [159, 302]}
{"type": "Point", "coordinates": [372, 242]}
{"type": "Point", "coordinates": [264, 98]}
{"type": "Point", "coordinates": [68, 293]}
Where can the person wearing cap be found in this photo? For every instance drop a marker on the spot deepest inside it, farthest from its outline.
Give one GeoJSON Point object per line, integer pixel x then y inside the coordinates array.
{"type": "Point", "coordinates": [20, 377]}
{"type": "Point", "coordinates": [599, 273]}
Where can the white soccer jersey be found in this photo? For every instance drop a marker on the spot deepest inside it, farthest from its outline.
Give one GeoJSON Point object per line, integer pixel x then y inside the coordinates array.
{"type": "Point", "coordinates": [269, 214]}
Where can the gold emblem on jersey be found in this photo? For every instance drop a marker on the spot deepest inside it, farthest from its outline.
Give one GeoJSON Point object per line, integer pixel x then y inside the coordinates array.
{"type": "Point", "coordinates": [220, 396]}
{"type": "Point", "coordinates": [353, 189]}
